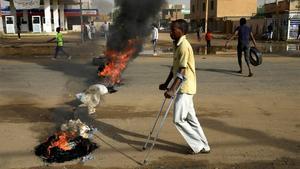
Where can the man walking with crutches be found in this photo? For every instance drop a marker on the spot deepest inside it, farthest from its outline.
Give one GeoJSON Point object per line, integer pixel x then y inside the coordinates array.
{"type": "Point", "coordinates": [183, 70]}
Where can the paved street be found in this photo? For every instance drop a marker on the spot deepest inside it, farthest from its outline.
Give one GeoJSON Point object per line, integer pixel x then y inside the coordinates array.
{"type": "Point", "coordinates": [249, 122]}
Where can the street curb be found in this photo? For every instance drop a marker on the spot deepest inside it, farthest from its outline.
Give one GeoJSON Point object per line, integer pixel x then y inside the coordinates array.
{"type": "Point", "coordinates": [31, 34]}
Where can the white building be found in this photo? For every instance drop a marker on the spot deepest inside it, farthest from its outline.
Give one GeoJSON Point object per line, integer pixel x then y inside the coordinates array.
{"type": "Point", "coordinates": [43, 15]}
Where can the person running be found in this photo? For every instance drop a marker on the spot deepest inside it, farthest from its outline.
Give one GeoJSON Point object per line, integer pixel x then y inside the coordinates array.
{"type": "Point", "coordinates": [244, 33]}
{"type": "Point", "coordinates": [59, 44]}
{"type": "Point", "coordinates": [183, 71]}
{"type": "Point", "coordinates": [154, 39]}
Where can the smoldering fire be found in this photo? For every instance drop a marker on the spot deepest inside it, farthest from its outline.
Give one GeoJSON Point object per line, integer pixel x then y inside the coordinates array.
{"type": "Point", "coordinates": [127, 33]}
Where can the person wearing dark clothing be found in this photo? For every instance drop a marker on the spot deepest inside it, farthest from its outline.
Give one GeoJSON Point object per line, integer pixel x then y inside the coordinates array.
{"type": "Point", "coordinates": [270, 32]}
{"type": "Point", "coordinates": [244, 34]}
{"type": "Point", "coordinates": [199, 32]}
{"type": "Point", "coordinates": [19, 31]}
{"type": "Point", "coordinates": [85, 32]}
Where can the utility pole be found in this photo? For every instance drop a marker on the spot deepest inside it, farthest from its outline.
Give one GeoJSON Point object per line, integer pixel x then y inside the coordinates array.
{"type": "Point", "coordinates": [175, 11]}
{"type": "Point", "coordinates": [206, 15]}
{"type": "Point", "coordinates": [81, 22]}
{"type": "Point", "coordinates": [277, 21]}
{"type": "Point", "coordinates": [1, 22]}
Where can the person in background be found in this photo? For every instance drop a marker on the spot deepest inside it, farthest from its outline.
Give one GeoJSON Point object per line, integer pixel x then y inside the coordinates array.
{"type": "Point", "coordinates": [89, 31]}
{"type": "Point", "coordinates": [19, 30]}
{"type": "Point", "coordinates": [244, 34]}
{"type": "Point", "coordinates": [154, 38]}
{"type": "Point", "coordinates": [105, 29]}
{"type": "Point", "coordinates": [199, 32]}
{"type": "Point", "coordinates": [183, 71]}
{"type": "Point", "coordinates": [85, 32]}
{"type": "Point", "coordinates": [59, 44]}
{"type": "Point", "coordinates": [93, 30]}
{"type": "Point", "coordinates": [270, 32]}
{"type": "Point", "coordinates": [208, 38]}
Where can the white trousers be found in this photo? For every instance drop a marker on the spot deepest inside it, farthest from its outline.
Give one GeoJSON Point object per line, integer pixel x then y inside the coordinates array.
{"type": "Point", "coordinates": [186, 122]}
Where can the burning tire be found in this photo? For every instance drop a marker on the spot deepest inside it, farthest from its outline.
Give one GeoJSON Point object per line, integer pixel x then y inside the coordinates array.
{"type": "Point", "coordinates": [71, 142]}
{"type": "Point", "coordinates": [255, 56]}
{"type": "Point", "coordinates": [81, 147]}
{"type": "Point", "coordinates": [99, 61]}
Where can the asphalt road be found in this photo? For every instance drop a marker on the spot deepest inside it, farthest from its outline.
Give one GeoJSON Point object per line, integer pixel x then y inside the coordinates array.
{"type": "Point", "coordinates": [249, 122]}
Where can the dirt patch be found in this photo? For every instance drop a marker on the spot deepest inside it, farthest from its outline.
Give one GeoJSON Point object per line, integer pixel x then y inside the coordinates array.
{"type": "Point", "coordinates": [20, 113]}
{"type": "Point", "coordinates": [123, 112]}
{"type": "Point", "coordinates": [184, 163]}
{"type": "Point", "coordinates": [128, 112]}
{"type": "Point", "coordinates": [26, 51]}
{"type": "Point", "coordinates": [180, 163]}
{"type": "Point", "coordinates": [264, 112]}
{"type": "Point", "coordinates": [77, 166]}
{"type": "Point", "coordinates": [210, 112]}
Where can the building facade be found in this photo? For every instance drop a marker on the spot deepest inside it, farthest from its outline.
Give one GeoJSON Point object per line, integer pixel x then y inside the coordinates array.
{"type": "Point", "coordinates": [45, 16]}
{"type": "Point", "coordinates": [219, 11]}
{"type": "Point", "coordinates": [285, 18]}
{"type": "Point", "coordinates": [171, 12]}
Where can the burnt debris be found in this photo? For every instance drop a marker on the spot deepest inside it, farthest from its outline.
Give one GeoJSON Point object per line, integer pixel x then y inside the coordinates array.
{"type": "Point", "coordinates": [80, 147]}
{"type": "Point", "coordinates": [69, 143]}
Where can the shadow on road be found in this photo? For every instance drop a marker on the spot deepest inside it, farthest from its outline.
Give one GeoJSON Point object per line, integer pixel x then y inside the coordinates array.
{"type": "Point", "coordinates": [216, 70]}
{"type": "Point", "coordinates": [119, 134]}
{"type": "Point", "coordinates": [254, 136]}
{"type": "Point", "coordinates": [223, 71]}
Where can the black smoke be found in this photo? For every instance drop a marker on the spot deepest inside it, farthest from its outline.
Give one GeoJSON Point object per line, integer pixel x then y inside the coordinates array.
{"type": "Point", "coordinates": [133, 21]}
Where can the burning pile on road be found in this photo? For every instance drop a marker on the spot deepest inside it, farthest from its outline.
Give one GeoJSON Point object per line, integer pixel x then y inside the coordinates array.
{"type": "Point", "coordinates": [129, 30]}
{"type": "Point", "coordinates": [117, 62]}
{"type": "Point", "coordinates": [71, 142]}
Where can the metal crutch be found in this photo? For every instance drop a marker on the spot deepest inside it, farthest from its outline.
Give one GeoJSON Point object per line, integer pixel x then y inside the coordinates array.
{"type": "Point", "coordinates": [157, 117]}
{"type": "Point", "coordinates": [161, 125]}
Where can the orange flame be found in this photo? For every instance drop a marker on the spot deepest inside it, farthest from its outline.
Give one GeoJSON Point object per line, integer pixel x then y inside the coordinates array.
{"type": "Point", "coordinates": [118, 62]}
{"type": "Point", "coordinates": [63, 141]}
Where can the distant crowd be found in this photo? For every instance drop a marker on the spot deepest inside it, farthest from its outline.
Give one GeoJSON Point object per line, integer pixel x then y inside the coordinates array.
{"type": "Point", "coordinates": [90, 30]}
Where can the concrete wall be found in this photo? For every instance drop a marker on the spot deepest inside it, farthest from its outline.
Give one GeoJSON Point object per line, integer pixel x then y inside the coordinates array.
{"type": "Point", "coordinates": [1, 26]}
{"type": "Point", "coordinates": [85, 4]}
{"type": "Point", "coordinates": [258, 26]}
{"type": "Point", "coordinates": [272, 7]}
{"type": "Point", "coordinates": [236, 8]}
{"type": "Point", "coordinates": [199, 13]}
{"type": "Point", "coordinates": [295, 5]}
{"type": "Point", "coordinates": [223, 8]}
